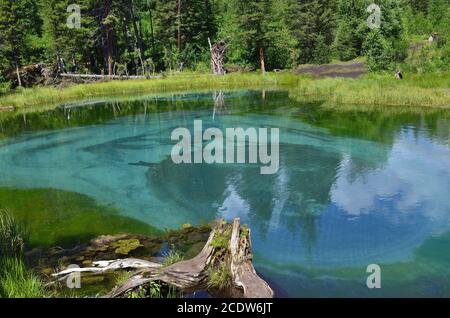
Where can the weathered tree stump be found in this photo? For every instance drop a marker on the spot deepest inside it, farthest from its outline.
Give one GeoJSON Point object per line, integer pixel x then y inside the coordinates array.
{"type": "Point", "coordinates": [242, 271]}
{"type": "Point", "coordinates": [192, 275]}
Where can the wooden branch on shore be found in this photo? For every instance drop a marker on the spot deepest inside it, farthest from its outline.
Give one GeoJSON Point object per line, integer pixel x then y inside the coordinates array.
{"type": "Point", "coordinates": [103, 266]}
{"type": "Point", "coordinates": [111, 77]}
{"type": "Point", "coordinates": [191, 275]}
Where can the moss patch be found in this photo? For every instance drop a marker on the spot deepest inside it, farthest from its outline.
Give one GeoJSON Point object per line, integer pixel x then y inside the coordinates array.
{"type": "Point", "coordinates": [124, 247]}
{"type": "Point", "coordinates": [56, 217]}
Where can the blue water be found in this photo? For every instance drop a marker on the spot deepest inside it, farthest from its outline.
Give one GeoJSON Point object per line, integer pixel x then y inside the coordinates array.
{"type": "Point", "coordinates": [339, 202]}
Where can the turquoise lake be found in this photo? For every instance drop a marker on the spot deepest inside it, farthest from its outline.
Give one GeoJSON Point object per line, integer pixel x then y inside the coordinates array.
{"type": "Point", "coordinates": [353, 188]}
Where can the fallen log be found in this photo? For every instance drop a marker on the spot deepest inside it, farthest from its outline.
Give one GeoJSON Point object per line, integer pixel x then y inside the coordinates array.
{"type": "Point", "coordinates": [193, 275]}
{"type": "Point", "coordinates": [111, 77]}
{"type": "Point", "coordinates": [7, 108]}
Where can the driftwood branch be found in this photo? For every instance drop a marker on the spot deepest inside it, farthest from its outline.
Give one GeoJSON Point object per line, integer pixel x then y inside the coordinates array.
{"type": "Point", "coordinates": [104, 266]}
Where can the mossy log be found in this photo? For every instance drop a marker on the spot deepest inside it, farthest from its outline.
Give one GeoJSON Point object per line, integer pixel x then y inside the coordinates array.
{"type": "Point", "coordinates": [193, 275]}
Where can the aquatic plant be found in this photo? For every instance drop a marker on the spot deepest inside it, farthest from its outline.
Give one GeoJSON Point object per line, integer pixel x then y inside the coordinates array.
{"type": "Point", "coordinates": [155, 289]}
{"type": "Point", "coordinates": [140, 292]}
{"type": "Point", "coordinates": [124, 247]}
{"type": "Point", "coordinates": [221, 239]}
{"type": "Point", "coordinates": [16, 281]}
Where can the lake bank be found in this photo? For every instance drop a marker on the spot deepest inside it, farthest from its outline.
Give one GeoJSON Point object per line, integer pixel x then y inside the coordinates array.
{"type": "Point", "coordinates": [369, 92]}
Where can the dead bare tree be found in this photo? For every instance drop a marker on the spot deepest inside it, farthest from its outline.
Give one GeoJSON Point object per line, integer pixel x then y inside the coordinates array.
{"type": "Point", "coordinates": [217, 54]}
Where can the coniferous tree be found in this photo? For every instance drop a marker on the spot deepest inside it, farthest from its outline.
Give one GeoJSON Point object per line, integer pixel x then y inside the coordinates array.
{"type": "Point", "coordinates": [322, 53]}
{"type": "Point", "coordinates": [133, 36]}
{"type": "Point", "coordinates": [316, 20]}
{"type": "Point", "coordinates": [16, 21]}
{"type": "Point", "coordinates": [282, 49]}
{"type": "Point", "coordinates": [379, 52]}
{"type": "Point", "coordinates": [351, 30]}
{"type": "Point", "coordinates": [253, 24]}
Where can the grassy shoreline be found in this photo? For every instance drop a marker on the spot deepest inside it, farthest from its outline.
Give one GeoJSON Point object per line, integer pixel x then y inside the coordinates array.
{"type": "Point", "coordinates": [368, 92]}
{"type": "Point", "coordinates": [45, 96]}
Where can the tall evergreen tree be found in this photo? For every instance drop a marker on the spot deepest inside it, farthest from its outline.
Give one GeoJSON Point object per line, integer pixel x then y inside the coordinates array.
{"type": "Point", "coordinates": [16, 21]}
{"type": "Point", "coordinates": [282, 49]}
{"type": "Point", "coordinates": [254, 16]}
{"type": "Point", "coordinates": [352, 28]}
{"type": "Point", "coordinates": [315, 21]}
{"type": "Point", "coordinates": [127, 36]}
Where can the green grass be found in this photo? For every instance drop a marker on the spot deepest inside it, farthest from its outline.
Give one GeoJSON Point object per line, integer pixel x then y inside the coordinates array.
{"type": "Point", "coordinates": [15, 280]}
{"type": "Point", "coordinates": [50, 96]}
{"type": "Point", "coordinates": [121, 277]}
{"type": "Point", "coordinates": [12, 235]}
{"type": "Point", "coordinates": [368, 92]}
{"type": "Point", "coordinates": [374, 92]}
{"type": "Point", "coordinates": [18, 282]}
{"type": "Point", "coordinates": [172, 257]}
{"type": "Point", "coordinates": [219, 277]}
{"type": "Point", "coordinates": [63, 218]}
